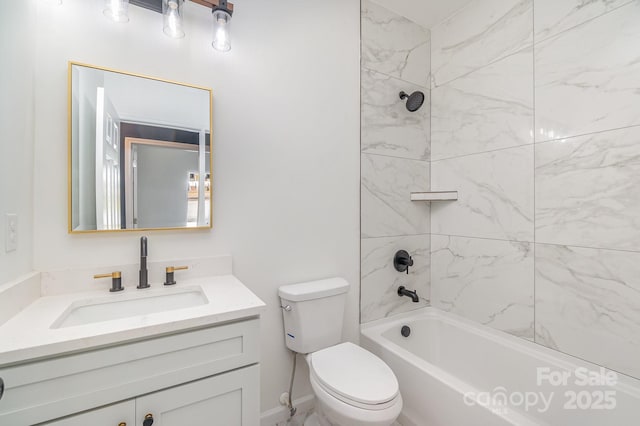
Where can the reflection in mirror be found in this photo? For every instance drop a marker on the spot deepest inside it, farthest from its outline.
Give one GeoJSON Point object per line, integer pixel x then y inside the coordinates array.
{"type": "Point", "coordinates": [140, 152]}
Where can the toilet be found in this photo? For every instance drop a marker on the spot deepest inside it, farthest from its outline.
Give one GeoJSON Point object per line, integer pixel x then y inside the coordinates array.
{"type": "Point", "coordinates": [353, 387]}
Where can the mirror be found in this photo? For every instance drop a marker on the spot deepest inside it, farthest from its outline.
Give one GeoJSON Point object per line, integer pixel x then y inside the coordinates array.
{"type": "Point", "coordinates": [139, 152]}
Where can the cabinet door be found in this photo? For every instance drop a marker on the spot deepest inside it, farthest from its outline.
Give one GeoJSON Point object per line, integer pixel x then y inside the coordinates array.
{"type": "Point", "coordinates": [229, 399]}
{"type": "Point", "coordinates": [122, 414]}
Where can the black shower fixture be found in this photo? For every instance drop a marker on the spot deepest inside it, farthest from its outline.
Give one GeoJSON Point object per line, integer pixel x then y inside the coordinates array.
{"type": "Point", "coordinates": [414, 100]}
{"type": "Point", "coordinates": [402, 261]}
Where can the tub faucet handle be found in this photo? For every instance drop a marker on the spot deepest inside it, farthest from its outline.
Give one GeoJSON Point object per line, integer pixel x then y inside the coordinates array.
{"type": "Point", "coordinates": [402, 261]}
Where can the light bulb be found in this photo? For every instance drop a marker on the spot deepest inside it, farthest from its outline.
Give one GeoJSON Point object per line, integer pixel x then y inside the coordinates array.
{"type": "Point", "coordinates": [172, 11]}
{"type": "Point", "coordinates": [221, 28]}
{"type": "Point", "coordinates": [117, 10]}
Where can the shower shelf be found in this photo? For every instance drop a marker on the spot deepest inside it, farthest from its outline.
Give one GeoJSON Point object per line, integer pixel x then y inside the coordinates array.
{"type": "Point", "coordinates": [434, 196]}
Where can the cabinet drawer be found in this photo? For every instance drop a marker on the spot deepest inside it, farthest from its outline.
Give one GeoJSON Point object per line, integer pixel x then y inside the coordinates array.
{"type": "Point", "coordinates": [112, 415]}
{"type": "Point", "coordinates": [228, 399]}
{"type": "Point", "coordinates": [53, 388]}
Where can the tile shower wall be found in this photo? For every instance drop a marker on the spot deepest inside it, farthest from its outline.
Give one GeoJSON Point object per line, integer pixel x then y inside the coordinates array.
{"type": "Point", "coordinates": [395, 160]}
{"type": "Point", "coordinates": [544, 242]}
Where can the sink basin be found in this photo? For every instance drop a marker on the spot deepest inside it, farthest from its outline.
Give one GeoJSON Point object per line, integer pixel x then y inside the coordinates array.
{"type": "Point", "coordinates": [128, 305]}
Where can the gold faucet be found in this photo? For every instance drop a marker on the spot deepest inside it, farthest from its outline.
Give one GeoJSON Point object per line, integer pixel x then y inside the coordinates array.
{"type": "Point", "coordinates": [116, 280]}
{"type": "Point", "coordinates": [170, 280]}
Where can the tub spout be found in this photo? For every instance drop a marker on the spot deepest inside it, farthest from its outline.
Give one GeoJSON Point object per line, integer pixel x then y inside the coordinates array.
{"type": "Point", "coordinates": [402, 291]}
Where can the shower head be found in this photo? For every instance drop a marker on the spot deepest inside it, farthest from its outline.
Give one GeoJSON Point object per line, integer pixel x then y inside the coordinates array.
{"type": "Point", "coordinates": [414, 100]}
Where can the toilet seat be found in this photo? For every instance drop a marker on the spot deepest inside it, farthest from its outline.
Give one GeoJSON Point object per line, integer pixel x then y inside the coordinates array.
{"type": "Point", "coordinates": [355, 376]}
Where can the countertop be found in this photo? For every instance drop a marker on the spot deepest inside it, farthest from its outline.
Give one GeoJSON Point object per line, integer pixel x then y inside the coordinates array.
{"type": "Point", "coordinates": [29, 335]}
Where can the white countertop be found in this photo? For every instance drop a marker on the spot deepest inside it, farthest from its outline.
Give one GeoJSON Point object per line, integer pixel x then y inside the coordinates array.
{"type": "Point", "coordinates": [28, 335]}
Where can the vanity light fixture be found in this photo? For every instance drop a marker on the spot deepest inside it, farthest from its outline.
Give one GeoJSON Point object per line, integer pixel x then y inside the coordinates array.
{"type": "Point", "coordinates": [172, 17]}
{"type": "Point", "coordinates": [172, 11]}
{"type": "Point", "coordinates": [221, 26]}
{"type": "Point", "coordinates": [117, 10]}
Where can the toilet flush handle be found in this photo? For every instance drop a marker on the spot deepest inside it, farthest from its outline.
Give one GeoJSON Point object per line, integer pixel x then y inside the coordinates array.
{"type": "Point", "coordinates": [286, 308]}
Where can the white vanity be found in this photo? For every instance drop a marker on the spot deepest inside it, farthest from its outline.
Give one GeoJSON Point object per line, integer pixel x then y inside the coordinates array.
{"type": "Point", "coordinates": [74, 351]}
{"type": "Point", "coordinates": [190, 357]}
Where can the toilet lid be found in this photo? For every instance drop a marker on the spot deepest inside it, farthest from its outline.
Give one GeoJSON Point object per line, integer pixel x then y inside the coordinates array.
{"type": "Point", "coordinates": [354, 373]}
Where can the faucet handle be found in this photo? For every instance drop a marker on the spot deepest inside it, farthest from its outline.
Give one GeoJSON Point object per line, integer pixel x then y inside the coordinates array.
{"type": "Point", "coordinates": [116, 280]}
{"type": "Point", "coordinates": [170, 279]}
{"type": "Point", "coordinates": [176, 268]}
{"type": "Point", "coordinates": [402, 261]}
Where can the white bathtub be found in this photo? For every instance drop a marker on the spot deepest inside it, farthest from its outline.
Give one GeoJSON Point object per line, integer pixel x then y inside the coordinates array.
{"type": "Point", "coordinates": [454, 372]}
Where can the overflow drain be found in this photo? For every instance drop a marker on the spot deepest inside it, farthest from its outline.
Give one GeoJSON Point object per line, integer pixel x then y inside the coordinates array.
{"type": "Point", "coordinates": [405, 331]}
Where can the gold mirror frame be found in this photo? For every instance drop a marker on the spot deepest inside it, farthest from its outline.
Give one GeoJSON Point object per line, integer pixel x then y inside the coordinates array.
{"type": "Point", "coordinates": [70, 151]}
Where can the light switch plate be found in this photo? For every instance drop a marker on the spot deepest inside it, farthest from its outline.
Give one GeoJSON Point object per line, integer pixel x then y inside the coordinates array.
{"type": "Point", "coordinates": [11, 232]}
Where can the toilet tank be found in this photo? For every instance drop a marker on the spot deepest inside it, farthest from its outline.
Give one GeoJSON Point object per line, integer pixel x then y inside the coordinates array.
{"type": "Point", "coordinates": [313, 314]}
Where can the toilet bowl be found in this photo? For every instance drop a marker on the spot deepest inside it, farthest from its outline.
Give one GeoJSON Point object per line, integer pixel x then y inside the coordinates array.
{"type": "Point", "coordinates": [353, 387]}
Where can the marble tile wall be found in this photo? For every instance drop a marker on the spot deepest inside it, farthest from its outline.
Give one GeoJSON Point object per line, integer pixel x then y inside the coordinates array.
{"type": "Point", "coordinates": [536, 122]}
{"type": "Point", "coordinates": [387, 127]}
{"type": "Point", "coordinates": [484, 111]}
{"type": "Point", "coordinates": [386, 183]}
{"type": "Point", "coordinates": [588, 190]}
{"type": "Point", "coordinates": [587, 304]}
{"type": "Point", "coordinates": [394, 45]}
{"type": "Point", "coordinates": [586, 77]}
{"type": "Point", "coordinates": [479, 34]}
{"type": "Point", "coordinates": [467, 269]}
{"type": "Point", "coordinates": [495, 195]}
{"type": "Point", "coordinates": [395, 161]}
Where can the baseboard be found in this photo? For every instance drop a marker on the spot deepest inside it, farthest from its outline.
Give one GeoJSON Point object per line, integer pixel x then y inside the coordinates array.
{"type": "Point", "coordinates": [281, 414]}
{"type": "Point", "coordinates": [406, 421]}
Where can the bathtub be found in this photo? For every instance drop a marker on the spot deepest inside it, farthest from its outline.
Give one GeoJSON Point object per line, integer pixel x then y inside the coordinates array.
{"type": "Point", "coordinates": [454, 372]}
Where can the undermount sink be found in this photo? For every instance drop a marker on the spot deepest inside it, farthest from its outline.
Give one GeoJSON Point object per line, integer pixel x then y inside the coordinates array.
{"type": "Point", "coordinates": [120, 306]}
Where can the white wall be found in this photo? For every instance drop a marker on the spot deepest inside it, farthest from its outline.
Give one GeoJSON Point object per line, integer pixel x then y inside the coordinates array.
{"type": "Point", "coordinates": [286, 126]}
{"type": "Point", "coordinates": [16, 134]}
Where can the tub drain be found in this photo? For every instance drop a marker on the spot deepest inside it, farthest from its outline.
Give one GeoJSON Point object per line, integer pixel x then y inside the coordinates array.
{"type": "Point", "coordinates": [405, 331]}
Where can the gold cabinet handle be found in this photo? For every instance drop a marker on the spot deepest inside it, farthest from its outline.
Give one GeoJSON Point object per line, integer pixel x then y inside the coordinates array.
{"type": "Point", "coordinates": [122, 424]}
{"type": "Point", "coordinates": [148, 420]}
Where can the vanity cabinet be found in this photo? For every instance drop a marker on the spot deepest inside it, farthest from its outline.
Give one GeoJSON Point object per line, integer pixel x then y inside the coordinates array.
{"type": "Point", "coordinates": [198, 377]}
{"type": "Point", "coordinates": [229, 399]}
